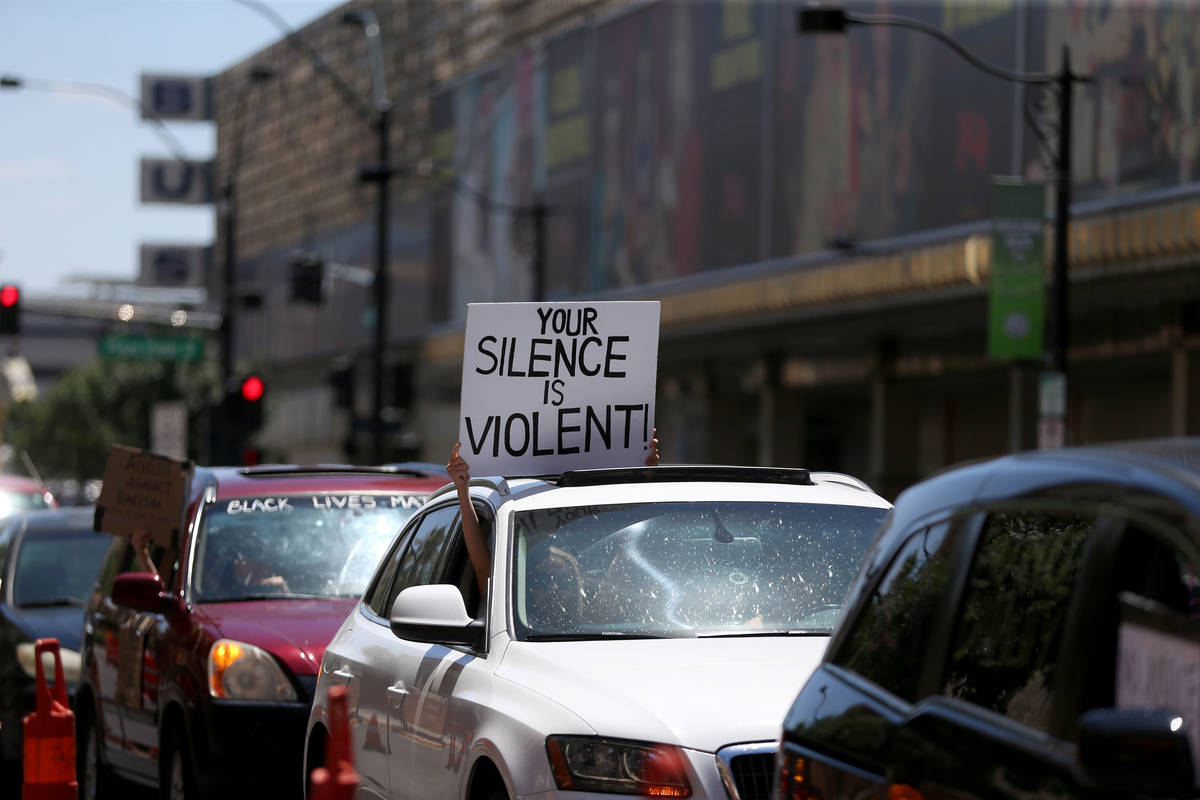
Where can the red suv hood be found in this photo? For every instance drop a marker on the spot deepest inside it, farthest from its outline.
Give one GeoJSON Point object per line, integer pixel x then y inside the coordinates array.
{"type": "Point", "coordinates": [295, 631]}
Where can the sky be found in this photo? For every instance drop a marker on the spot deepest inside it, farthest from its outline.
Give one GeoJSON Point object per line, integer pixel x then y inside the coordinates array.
{"type": "Point", "coordinates": [69, 202]}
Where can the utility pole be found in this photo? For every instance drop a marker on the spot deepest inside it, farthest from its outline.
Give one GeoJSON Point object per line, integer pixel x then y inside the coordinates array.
{"type": "Point", "coordinates": [1062, 215]}
{"type": "Point", "coordinates": [380, 174]}
{"type": "Point", "coordinates": [539, 211]}
{"type": "Point", "coordinates": [832, 19]}
{"type": "Point", "coordinates": [221, 440]}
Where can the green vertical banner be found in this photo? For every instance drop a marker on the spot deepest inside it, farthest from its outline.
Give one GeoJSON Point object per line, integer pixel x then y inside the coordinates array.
{"type": "Point", "coordinates": [1016, 301]}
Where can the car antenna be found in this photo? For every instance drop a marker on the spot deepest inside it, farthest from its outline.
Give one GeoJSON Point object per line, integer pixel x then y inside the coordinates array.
{"type": "Point", "coordinates": [33, 473]}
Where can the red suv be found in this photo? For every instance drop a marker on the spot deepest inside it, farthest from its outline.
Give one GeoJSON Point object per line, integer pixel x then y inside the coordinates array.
{"type": "Point", "coordinates": [199, 679]}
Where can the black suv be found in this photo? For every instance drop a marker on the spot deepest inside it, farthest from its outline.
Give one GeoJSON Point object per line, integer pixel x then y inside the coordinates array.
{"type": "Point", "coordinates": [1025, 626]}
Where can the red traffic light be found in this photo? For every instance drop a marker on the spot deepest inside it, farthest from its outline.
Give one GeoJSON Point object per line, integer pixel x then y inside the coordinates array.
{"type": "Point", "coordinates": [252, 388]}
{"type": "Point", "coordinates": [9, 295]}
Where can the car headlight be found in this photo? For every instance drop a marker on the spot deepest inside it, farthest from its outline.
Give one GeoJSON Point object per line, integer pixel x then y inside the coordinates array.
{"type": "Point", "coordinates": [70, 662]}
{"type": "Point", "coordinates": [616, 766]}
{"type": "Point", "coordinates": [240, 671]}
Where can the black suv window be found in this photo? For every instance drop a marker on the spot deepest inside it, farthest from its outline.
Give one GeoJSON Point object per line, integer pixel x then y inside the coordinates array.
{"type": "Point", "coordinates": [1011, 620]}
{"type": "Point", "coordinates": [889, 638]}
{"type": "Point", "coordinates": [1151, 575]}
{"type": "Point", "coordinates": [414, 561]}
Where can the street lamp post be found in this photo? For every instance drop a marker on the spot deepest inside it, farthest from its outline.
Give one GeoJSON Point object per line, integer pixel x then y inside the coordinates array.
{"type": "Point", "coordinates": [98, 90]}
{"type": "Point", "coordinates": [223, 445]}
{"type": "Point", "coordinates": [826, 19]}
{"type": "Point", "coordinates": [379, 173]}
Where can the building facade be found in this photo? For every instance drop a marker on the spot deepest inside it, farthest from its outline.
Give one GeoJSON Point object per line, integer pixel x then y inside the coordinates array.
{"type": "Point", "coordinates": [813, 212]}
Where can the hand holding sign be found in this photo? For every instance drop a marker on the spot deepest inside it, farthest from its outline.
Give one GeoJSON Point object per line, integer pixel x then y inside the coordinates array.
{"type": "Point", "coordinates": [143, 491]}
{"type": "Point", "coordinates": [549, 387]}
{"type": "Point", "coordinates": [457, 466]}
{"type": "Point", "coordinates": [652, 457]}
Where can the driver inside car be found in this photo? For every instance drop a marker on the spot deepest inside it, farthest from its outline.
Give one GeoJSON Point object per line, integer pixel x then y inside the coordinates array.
{"type": "Point", "coordinates": [556, 589]}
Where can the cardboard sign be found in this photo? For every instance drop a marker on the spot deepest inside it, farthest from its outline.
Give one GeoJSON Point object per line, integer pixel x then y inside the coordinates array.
{"type": "Point", "coordinates": [143, 488]}
{"type": "Point", "coordinates": [549, 387]}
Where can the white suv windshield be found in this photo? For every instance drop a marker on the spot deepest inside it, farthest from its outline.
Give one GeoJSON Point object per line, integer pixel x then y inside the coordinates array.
{"type": "Point", "coordinates": [685, 568]}
{"type": "Point", "coordinates": [313, 545]}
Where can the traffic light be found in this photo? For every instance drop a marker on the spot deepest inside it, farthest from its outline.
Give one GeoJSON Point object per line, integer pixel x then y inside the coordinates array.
{"type": "Point", "coordinates": [307, 278]}
{"type": "Point", "coordinates": [243, 412]}
{"type": "Point", "coordinates": [10, 309]}
{"type": "Point", "coordinates": [251, 392]}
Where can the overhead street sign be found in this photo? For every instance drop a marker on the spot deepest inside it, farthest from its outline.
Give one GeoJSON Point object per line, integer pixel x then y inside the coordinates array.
{"type": "Point", "coordinates": [140, 347]}
{"type": "Point", "coordinates": [185, 97]}
{"type": "Point", "coordinates": [174, 265]}
{"type": "Point", "coordinates": [168, 180]}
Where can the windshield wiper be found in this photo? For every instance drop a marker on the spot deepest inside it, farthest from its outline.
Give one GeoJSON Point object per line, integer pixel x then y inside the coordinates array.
{"type": "Point", "coordinates": [761, 632]}
{"type": "Point", "coordinates": [52, 602]}
{"type": "Point", "coordinates": [599, 635]}
{"type": "Point", "coordinates": [270, 596]}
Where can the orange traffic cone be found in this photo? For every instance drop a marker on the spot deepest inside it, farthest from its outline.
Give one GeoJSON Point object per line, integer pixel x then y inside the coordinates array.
{"type": "Point", "coordinates": [50, 735]}
{"type": "Point", "coordinates": [338, 779]}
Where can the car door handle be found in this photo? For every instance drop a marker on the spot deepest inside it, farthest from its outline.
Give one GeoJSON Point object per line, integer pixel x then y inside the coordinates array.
{"type": "Point", "coordinates": [344, 674]}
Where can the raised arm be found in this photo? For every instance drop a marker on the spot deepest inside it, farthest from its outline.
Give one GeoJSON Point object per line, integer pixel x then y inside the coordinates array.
{"type": "Point", "coordinates": [477, 548]}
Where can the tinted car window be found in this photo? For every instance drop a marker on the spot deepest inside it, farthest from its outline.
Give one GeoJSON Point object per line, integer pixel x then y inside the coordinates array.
{"type": "Point", "coordinates": [892, 631]}
{"type": "Point", "coordinates": [658, 568]}
{"type": "Point", "coordinates": [1162, 583]}
{"type": "Point", "coordinates": [1005, 646]}
{"type": "Point", "coordinates": [415, 561]}
{"type": "Point", "coordinates": [300, 545]}
{"type": "Point", "coordinates": [376, 596]}
{"type": "Point", "coordinates": [43, 577]}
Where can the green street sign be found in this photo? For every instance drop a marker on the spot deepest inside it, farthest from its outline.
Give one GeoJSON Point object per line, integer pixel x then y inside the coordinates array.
{"type": "Point", "coordinates": [1017, 295]}
{"type": "Point", "coordinates": [145, 347]}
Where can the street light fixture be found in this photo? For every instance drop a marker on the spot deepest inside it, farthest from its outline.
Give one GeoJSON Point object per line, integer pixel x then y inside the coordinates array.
{"type": "Point", "coordinates": [380, 174]}
{"type": "Point", "coordinates": [828, 19]}
{"type": "Point", "coordinates": [98, 90]}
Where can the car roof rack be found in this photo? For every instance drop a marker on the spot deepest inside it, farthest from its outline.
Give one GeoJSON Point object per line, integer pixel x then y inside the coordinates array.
{"type": "Point", "coordinates": [685, 473]}
{"type": "Point", "coordinates": [495, 483]}
{"type": "Point", "coordinates": [842, 478]}
{"type": "Point", "coordinates": [277, 470]}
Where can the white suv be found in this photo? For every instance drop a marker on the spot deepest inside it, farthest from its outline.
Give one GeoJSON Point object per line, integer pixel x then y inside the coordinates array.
{"type": "Point", "coordinates": [643, 633]}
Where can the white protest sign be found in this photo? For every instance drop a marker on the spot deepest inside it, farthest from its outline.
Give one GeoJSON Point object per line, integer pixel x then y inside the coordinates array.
{"type": "Point", "coordinates": [1156, 669]}
{"type": "Point", "coordinates": [550, 387]}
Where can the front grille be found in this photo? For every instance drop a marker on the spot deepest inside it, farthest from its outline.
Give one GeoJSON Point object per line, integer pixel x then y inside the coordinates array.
{"type": "Point", "coordinates": [748, 770]}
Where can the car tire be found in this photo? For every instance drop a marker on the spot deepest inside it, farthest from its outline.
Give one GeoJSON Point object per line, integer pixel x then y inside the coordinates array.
{"type": "Point", "coordinates": [91, 772]}
{"type": "Point", "coordinates": [496, 793]}
{"type": "Point", "coordinates": [176, 779]}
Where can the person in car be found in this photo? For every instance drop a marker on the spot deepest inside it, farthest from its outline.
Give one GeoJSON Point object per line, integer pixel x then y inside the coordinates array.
{"type": "Point", "coordinates": [249, 568]}
{"type": "Point", "coordinates": [473, 534]}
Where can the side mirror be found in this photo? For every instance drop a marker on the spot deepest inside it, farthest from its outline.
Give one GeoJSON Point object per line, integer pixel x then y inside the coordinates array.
{"type": "Point", "coordinates": [140, 591]}
{"type": "Point", "coordinates": [435, 614]}
{"type": "Point", "coordinates": [1137, 750]}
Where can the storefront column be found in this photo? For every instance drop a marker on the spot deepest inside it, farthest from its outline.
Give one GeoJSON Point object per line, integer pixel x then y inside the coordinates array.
{"type": "Point", "coordinates": [768, 410]}
{"type": "Point", "coordinates": [1179, 390]}
{"type": "Point", "coordinates": [877, 465]}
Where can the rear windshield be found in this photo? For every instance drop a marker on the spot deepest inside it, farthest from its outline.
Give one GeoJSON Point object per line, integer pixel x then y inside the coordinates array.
{"type": "Point", "coordinates": [686, 568]}
{"type": "Point", "coordinates": [312, 545]}
{"type": "Point", "coordinates": [44, 577]}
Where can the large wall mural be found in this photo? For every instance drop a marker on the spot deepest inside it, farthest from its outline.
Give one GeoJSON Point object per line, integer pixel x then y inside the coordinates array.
{"type": "Point", "coordinates": [675, 138]}
{"type": "Point", "coordinates": [1137, 124]}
